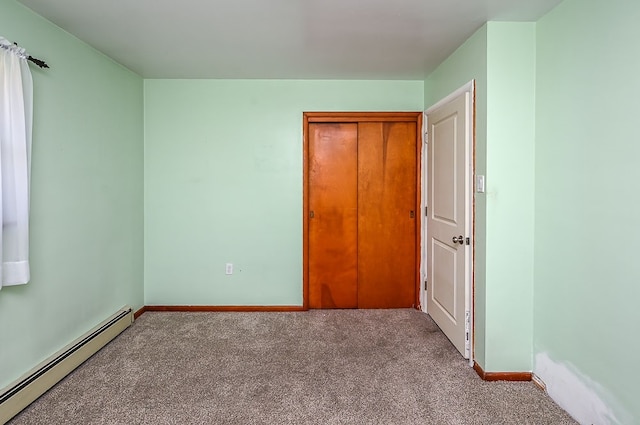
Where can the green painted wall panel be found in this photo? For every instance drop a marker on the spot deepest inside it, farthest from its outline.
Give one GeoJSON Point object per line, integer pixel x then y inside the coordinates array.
{"type": "Point", "coordinates": [510, 195]}
{"type": "Point", "coordinates": [223, 183]}
{"type": "Point", "coordinates": [86, 236]}
{"type": "Point", "coordinates": [501, 58]}
{"type": "Point", "coordinates": [586, 266]}
{"type": "Point", "coordinates": [467, 63]}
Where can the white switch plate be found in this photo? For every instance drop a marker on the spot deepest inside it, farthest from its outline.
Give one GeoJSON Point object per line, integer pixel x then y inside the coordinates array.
{"type": "Point", "coordinates": [228, 268]}
{"type": "Point", "coordinates": [480, 186]}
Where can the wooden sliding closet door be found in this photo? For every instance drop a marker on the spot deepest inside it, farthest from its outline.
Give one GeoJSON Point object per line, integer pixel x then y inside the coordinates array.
{"type": "Point", "coordinates": [361, 224]}
{"type": "Point", "coordinates": [333, 215]}
{"type": "Point", "coordinates": [386, 214]}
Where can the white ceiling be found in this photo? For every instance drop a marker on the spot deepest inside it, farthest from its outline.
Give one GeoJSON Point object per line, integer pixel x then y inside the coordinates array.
{"type": "Point", "coordinates": [321, 39]}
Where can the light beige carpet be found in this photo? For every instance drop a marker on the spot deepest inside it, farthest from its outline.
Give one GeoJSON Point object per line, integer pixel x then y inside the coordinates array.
{"type": "Point", "coordinates": [316, 367]}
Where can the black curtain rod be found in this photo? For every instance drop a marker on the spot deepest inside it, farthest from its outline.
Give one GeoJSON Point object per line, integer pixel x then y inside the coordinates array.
{"type": "Point", "coordinates": [39, 62]}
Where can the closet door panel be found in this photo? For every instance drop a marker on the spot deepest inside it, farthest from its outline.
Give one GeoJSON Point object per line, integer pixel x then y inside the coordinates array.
{"type": "Point", "coordinates": [333, 215]}
{"type": "Point", "coordinates": [386, 214]}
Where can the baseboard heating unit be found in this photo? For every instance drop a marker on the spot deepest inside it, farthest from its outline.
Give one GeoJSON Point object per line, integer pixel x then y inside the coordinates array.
{"type": "Point", "coordinates": [36, 382]}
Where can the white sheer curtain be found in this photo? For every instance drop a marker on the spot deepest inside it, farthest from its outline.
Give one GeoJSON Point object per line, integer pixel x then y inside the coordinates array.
{"type": "Point", "coordinates": [16, 106]}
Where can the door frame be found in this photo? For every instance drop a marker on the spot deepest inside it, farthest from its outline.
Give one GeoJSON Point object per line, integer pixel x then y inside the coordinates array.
{"type": "Point", "coordinates": [328, 117]}
{"type": "Point", "coordinates": [470, 160]}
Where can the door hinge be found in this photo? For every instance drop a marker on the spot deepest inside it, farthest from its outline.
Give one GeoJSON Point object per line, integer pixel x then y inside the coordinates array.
{"type": "Point", "coordinates": [425, 285]}
{"type": "Point", "coordinates": [467, 329]}
{"type": "Point", "coordinates": [468, 241]}
{"type": "Point", "coordinates": [426, 211]}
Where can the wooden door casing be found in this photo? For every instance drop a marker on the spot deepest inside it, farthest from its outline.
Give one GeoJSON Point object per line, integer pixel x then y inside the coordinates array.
{"type": "Point", "coordinates": [382, 267]}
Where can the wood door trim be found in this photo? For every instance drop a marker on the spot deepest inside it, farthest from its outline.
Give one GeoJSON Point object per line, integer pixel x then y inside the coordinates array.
{"type": "Point", "coordinates": [305, 212]}
{"type": "Point", "coordinates": [310, 117]}
{"type": "Point", "coordinates": [419, 145]}
{"type": "Point", "coordinates": [360, 116]}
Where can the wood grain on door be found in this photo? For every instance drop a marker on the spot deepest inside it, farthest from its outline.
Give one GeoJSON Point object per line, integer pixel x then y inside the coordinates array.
{"type": "Point", "coordinates": [333, 215]}
{"type": "Point", "coordinates": [361, 223]}
{"type": "Point", "coordinates": [386, 214]}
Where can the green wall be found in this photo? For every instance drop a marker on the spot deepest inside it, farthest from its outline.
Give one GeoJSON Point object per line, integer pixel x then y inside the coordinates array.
{"type": "Point", "coordinates": [223, 183]}
{"type": "Point", "coordinates": [555, 273]}
{"type": "Point", "coordinates": [510, 195]}
{"type": "Point", "coordinates": [467, 63]}
{"type": "Point", "coordinates": [501, 58]}
{"type": "Point", "coordinates": [586, 265]}
{"type": "Point", "coordinates": [86, 200]}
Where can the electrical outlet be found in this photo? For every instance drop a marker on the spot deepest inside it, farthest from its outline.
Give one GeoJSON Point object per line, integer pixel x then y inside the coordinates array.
{"type": "Point", "coordinates": [228, 268]}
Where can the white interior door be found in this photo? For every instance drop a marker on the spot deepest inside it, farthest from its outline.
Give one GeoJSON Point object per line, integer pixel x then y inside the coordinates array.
{"type": "Point", "coordinates": [449, 208]}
